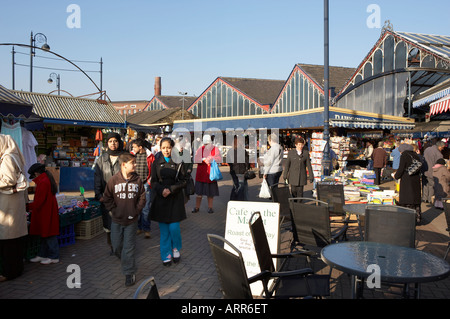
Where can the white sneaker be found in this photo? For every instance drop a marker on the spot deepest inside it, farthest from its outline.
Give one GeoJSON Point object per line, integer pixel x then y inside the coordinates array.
{"type": "Point", "coordinates": [37, 259]}
{"type": "Point", "coordinates": [176, 255]}
{"type": "Point", "coordinates": [48, 261]}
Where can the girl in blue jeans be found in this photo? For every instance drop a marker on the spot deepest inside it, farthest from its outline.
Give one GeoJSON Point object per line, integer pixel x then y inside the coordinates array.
{"type": "Point", "coordinates": [168, 181]}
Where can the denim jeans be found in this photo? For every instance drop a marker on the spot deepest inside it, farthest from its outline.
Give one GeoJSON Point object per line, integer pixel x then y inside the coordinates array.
{"type": "Point", "coordinates": [273, 179]}
{"type": "Point", "coordinates": [49, 247]}
{"type": "Point", "coordinates": [123, 239]}
{"type": "Point", "coordinates": [144, 221]}
{"type": "Point", "coordinates": [170, 238]}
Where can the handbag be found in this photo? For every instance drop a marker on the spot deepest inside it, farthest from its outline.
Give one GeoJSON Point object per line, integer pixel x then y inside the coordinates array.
{"type": "Point", "coordinates": [190, 187]}
{"type": "Point", "coordinates": [264, 191]}
{"type": "Point", "coordinates": [414, 167]}
{"type": "Point", "coordinates": [214, 173]}
{"type": "Point", "coordinates": [21, 183]}
{"type": "Point", "coordinates": [249, 175]}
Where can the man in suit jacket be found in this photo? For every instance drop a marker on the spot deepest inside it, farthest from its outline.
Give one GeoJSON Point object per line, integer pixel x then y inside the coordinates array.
{"type": "Point", "coordinates": [295, 169]}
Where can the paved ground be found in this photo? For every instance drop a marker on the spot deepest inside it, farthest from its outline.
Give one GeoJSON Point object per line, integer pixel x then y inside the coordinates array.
{"type": "Point", "coordinates": [195, 276]}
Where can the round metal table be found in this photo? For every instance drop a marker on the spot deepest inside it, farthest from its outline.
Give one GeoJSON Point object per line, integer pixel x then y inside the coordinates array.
{"type": "Point", "coordinates": [396, 264]}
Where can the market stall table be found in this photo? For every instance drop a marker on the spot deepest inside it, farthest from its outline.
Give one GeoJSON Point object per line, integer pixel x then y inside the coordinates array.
{"type": "Point", "coordinates": [397, 264]}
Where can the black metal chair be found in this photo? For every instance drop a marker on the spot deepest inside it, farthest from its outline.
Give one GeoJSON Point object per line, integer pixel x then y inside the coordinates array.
{"type": "Point", "coordinates": [390, 224]}
{"type": "Point", "coordinates": [233, 276]}
{"type": "Point", "coordinates": [293, 283]}
{"type": "Point", "coordinates": [230, 268]}
{"type": "Point", "coordinates": [333, 194]}
{"type": "Point", "coordinates": [147, 290]}
{"type": "Point", "coordinates": [311, 219]}
{"type": "Point", "coordinates": [280, 194]}
{"type": "Point", "coordinates": [447, 218]}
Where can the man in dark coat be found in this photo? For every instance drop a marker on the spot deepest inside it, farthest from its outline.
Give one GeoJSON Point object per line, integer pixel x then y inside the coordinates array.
{"type": "Point", "coordinates": [297, 162]}
{"type": "Point", "coordinates": [379, 161]}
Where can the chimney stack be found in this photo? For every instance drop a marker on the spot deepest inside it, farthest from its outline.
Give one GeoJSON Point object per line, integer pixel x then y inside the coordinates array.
{"type": "Point", "coordinates": [157, 86]}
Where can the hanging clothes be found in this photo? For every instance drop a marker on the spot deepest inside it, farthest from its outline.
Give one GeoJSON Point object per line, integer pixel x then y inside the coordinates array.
{"type": "Point", "coordinates": [28, 149]}
{"type": "Point", "coordinates": [15, 131]}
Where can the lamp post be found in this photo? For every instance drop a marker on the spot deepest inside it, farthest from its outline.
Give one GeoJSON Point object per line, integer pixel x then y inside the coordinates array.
{"type": "Point", "coordinates": [58, 81]}
{"type": "Point", "coordinates": [37, 38]}
{"type": "Point", "coordinates": [183, 99]}
{"type": "Point", "coordinates": [326, 163]}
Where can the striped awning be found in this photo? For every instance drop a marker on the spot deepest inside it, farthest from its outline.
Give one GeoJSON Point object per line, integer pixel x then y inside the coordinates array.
{"type": "Point", "coordinates": [440, 106]}
{"type": "Point", "coordinates": [432, 97]}
{"type": "Point", "coordinates": [372, 124]}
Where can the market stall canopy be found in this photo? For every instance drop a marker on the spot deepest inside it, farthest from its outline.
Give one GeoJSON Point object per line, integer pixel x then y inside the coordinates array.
{"type": "Point", "coordinates": [13, 105]}
{"type": "Point", "coordinates": [308, 119]}
{"type": "Point", "coordinates": [440, 106]}
{"type": "Point", "coordinates": [56, 109]}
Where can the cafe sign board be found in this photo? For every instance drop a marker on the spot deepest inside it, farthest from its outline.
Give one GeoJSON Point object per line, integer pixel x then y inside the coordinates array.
{"type": "Point", "coordinates": [237, 231]}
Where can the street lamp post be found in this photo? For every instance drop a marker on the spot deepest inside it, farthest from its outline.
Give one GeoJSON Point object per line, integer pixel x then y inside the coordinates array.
{"type": "Point", "coordinates": [58, 81]}
{"type": "Point", "coordinates": [326, 163]}
{"type": "Point", "coordinates": [37, 38]}
{"type": "Point", "coordinates": [183, 99]}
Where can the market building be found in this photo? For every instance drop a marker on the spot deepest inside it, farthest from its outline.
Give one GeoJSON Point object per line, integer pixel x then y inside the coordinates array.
{"type": "Point", "coordinates": [67, 131]}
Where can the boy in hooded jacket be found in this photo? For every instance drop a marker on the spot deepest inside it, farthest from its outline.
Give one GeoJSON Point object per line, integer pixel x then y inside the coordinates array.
{"type": "Point", "coordinates": [124, 198]}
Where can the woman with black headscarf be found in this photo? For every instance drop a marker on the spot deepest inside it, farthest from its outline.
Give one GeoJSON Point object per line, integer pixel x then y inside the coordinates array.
{"type": "Point", "coordinates": [107, 165]}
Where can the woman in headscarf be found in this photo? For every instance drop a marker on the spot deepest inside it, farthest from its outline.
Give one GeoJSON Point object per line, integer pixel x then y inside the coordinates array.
{"type": "Point", "coordinates": [13, 216]}
{"type": "Point", "coordinates": [44, 214]}
{"type": "Point", "coordinates": [107, 165]}
{"type": "Point", "coordinates": [410, 187]}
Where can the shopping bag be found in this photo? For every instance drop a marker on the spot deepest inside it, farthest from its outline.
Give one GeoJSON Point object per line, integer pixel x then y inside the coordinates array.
{"type": "Point", "coordinates": [265, 191]}
{"type": "Point", "coordinates": [214, 173]}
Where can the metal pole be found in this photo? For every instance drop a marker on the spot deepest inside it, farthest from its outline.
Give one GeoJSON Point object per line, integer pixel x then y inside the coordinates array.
{"type": "Point", "coordinates": [13, 69]}
{"type": "Point", "coordinates": [101, 77]}
{"type": "Point", "coordinates": [58, 79]}
{"type": "Point", "coordinates": [326, 163]}
{"type": "Point", "coordinates": [409, 95]}
{"type": "Point", "coordinates": [31, 62]}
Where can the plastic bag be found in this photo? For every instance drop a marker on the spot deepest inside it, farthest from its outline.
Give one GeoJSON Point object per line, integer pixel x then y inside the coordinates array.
{"type": "Point", "coordinates": [214, 173]}
{"type": "Point", "coordinates": [265, 191]}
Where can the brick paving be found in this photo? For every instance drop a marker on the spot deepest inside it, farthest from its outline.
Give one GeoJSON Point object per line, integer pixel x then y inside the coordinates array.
{"type": "Point", "coordinates": [195, 276]}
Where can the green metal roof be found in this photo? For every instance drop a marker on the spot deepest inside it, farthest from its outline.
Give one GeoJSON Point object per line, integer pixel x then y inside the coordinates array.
{"type": "Point", "coordinates": [66, 109]}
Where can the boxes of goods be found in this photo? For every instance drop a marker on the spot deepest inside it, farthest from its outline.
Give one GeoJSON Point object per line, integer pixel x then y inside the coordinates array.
{"type": "Point", "coordinates": [87, 229]}
{"type": "Point", "coordinates": [66, 235]}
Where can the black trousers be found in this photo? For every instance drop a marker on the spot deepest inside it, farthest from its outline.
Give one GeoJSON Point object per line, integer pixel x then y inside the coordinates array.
{"type": "Point", "coordinates": [12, 252]}
{"type": "Point", "coordinates": [378, 175]}
{"type": "Point", "coordinates": [297, 191]}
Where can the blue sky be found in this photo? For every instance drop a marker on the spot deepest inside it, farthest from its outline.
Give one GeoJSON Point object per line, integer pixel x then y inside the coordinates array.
{"type": "Point", "coordinates": [189, 43]}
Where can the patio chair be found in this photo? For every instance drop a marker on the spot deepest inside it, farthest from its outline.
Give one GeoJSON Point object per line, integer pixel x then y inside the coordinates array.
{"type": "Point", "coordinates": [333, 194]}
{"type": "Point", "coordinates": [147, 290]}
{"type": "Point", "coordinates": [390, 224]}
{"type": "Point", "coordinates": [233, 276]}
{"type": "Point", "coordinates": [311, 219]}
{"type": "Point", "coordinates": [447, 218]}
{"type": "Point", "coordinates": [281, 194]}
{"type": "Point", "coordinates": [303, 284]}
